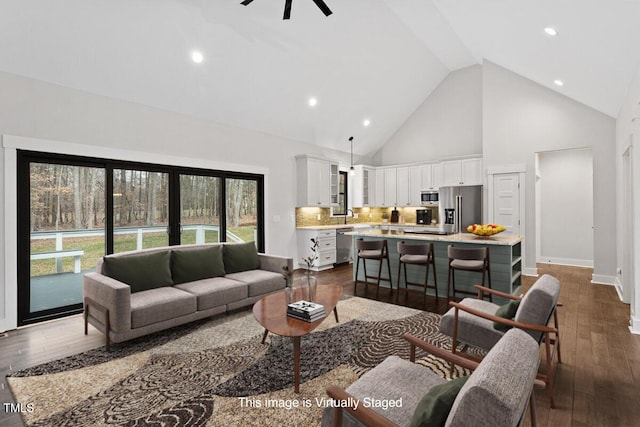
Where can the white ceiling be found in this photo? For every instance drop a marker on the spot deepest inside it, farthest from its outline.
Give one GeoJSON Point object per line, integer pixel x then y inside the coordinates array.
{"type": "Point", "coordinates": [376, 59]}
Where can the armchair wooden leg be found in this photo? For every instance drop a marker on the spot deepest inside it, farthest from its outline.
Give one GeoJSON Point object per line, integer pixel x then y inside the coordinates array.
{"type": "Point", "coordinates": [532, 410]}
{"type": "Point", "coordinates": [337, 417]}
{"type": "Point", "coordinates": [454, 337]}
{"type": "Point", "coordinates": [557, 337]}
{"type": "Point", "coordinates": [550, 372]}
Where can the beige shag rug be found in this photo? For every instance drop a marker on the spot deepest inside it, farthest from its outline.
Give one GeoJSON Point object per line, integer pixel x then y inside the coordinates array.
{"type": "Point", "coordinates": [217, 373]}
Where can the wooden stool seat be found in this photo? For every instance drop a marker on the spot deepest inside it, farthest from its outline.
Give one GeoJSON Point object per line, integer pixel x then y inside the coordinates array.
{"type": "Point", "coordinates": [420, 254]}
{"type": "Point", "coordinates": [467, 259]}
{"type": "Point", "coordinates": [372, 250]}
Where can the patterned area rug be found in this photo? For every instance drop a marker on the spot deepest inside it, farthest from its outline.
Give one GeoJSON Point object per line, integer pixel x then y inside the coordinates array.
{"type": "Point", "coordinates": [217, 373]}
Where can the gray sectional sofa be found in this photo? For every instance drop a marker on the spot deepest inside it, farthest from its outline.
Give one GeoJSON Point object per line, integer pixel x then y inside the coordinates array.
{"type": "Point", "coordinates": [132, 294]}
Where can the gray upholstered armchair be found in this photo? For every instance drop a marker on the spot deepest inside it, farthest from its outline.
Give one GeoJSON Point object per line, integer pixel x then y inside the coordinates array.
{"type": "Point", "coordinates": [495, 394]}
{"type": "Point", "coordinates": [478, 323]}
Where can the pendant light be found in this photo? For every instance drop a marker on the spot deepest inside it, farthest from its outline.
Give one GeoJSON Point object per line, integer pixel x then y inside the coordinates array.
{"type": "Point", "coordinates": [352, 170]}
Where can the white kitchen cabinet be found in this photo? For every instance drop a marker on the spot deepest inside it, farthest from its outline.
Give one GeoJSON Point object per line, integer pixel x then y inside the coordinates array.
{"type": "Point", "coordinates": [397, 187]}
{"type": "Point", "coordinates": [363, 186]}
{"type": "Point", "coordinates": [379, 187]}
{"type": "Point", "coordinates": [390, 183]}
{"type": "Point", "coordinates": [436, 175]}
{"type": "Point", "coordinates": [334, 178]}
{"type": "Point", "coordinates": [431, 176]}
{"type": "Point", "coordinates": [403, 187]}
{"type": "Point", "coordinates": [415, 185]}
{"type": "Point", "coordinates": [315, 185]}
{"type": "Point", "coordinates": [462, 172]}
{"type": "Point", "coordinates": [326, 247]}
{"type": "Point", "coordinates": [472, 171]}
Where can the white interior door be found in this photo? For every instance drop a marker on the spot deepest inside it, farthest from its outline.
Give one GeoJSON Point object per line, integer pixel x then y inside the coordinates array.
{"type": "Point", "coordinates": [506, 202]}
{"type": "Point", "coordinates": [627, 227]}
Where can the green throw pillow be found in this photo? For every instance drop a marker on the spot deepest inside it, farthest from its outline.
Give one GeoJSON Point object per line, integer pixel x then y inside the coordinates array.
{"type": "Point", "coordinates": [142, 271]}
{"type": "Point", "coordinates": [434, 407]}
{"type": "Point", "coordinates": [507, 311]}
{"type": "Point", "coordinates": [240, 257]}
{"type": "Point", "coordinates": [188, 265]}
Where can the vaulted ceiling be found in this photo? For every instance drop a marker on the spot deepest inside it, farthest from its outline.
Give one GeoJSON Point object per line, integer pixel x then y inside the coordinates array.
{"type": "Point", "coordinates": [371, 59]}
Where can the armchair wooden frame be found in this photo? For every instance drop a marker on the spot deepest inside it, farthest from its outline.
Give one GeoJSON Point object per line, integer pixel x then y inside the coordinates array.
{"type": "Point", "coordinates": [371, 418]}
{"type": "Point", "coordinates": [550, 335]}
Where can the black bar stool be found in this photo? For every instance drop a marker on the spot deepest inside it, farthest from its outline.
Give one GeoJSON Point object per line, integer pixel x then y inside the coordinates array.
{"type": "Point", "coordinates": [468, 259]}
{"type": "Point", "coordinates": [421, 254]}
{"type": "Point", "coordinates": [374, 250]}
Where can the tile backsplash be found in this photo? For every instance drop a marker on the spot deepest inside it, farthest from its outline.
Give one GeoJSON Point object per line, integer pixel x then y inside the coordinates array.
{"type": "Point", "coordinates": [310, 216]}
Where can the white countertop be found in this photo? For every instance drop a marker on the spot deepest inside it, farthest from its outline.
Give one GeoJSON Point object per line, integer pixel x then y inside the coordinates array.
{"type": "Point", "coordinates": [497, 239]}
{"type": "Point", "coordinates": [363, 225]}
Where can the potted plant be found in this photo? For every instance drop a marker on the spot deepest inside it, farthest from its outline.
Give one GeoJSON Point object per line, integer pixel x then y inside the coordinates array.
{"type": "Point", "coordinates": [309, 279]}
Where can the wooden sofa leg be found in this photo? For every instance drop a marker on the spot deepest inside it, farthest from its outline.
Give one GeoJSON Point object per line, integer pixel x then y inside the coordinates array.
{"type": "Point", "coordinates": [108, 328]}
{"type": "Point", "coordinates": [88, 302]}
{"type": "Point", "coordinates": [86, 318]}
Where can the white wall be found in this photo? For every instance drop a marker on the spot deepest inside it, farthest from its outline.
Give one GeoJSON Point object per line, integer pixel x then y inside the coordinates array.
{"type": "Point", "coordinates": [447, 124]}
{"type": "Point", "coordinates": [36, 109]}
{"type": "Point", "coordinates": [628, 130]}
{"type": "Point", "coordinates": [3, 290]}
{"type": "Point", "coordinates": [565, 225]}
{"type": "Point", "coordinates": [520, 118]}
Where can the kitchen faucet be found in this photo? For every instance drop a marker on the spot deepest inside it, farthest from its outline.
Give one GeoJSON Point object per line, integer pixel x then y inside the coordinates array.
{"type": "Point", "coordinates": [347, 213]}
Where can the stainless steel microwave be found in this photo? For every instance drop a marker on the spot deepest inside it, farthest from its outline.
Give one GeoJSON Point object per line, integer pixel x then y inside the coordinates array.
{"type": "Point", "coordinates": [429, 197]}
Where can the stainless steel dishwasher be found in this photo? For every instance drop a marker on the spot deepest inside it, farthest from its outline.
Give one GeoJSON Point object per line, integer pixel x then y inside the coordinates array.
{"type": "Point", "coordinates": [344, 252]}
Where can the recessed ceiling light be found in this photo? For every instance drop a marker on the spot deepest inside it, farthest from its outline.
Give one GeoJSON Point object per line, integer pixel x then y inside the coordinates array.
{"type": "Point", "coordinates": [550, 31]}
{"type": "Point", "coordinates": [366, 122]}
{"type": "Point", "coordinates": [558, 82]}
{"type": "Point", "coordinates": [313, 101]}
{"type": "Point", "coordinates": [197, 56]}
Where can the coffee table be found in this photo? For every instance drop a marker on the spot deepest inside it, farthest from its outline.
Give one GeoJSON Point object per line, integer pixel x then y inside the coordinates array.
{"type": "Point", "coordinates": [271, 312]}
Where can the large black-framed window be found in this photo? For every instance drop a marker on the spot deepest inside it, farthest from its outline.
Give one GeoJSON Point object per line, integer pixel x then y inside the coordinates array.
{"type": "Point", "coordinates": [72, 210]}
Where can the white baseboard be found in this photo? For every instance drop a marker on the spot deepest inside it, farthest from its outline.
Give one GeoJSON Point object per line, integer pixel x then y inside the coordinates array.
{"type": "Point", "coordinates": [530, 272]}
{"type": "Point", "coordinates": [601, 279]}
{"type": "Point", "coordinates": [634, 325]}
{"type": "Point", "coordinates": [566, 261]}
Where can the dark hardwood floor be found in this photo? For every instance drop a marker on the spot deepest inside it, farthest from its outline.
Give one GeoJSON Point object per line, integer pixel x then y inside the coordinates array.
{"type": "Point", "coordinates": [596, 385]}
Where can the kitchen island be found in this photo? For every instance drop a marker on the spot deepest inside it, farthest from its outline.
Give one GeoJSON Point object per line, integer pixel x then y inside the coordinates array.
{"type": "Point", "coordinates": [505, 259]}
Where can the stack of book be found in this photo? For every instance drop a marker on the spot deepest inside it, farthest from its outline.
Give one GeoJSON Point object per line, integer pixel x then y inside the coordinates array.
{"type": "Point", "coordinates": [305, 310]}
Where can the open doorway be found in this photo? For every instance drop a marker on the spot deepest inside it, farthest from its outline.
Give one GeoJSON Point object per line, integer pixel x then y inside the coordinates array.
{"type": "Point", "coordinates": [564, 207]}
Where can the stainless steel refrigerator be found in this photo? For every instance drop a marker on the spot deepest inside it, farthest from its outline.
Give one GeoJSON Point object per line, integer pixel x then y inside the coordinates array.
{"type": "Point", "coordinates": [460, 207]}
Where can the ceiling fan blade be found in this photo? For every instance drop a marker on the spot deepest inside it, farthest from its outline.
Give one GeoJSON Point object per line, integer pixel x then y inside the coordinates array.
{"type": "Point", "coordinates": [246, 2]}
{"type": "Point", "coordinates": [323, 7]}
{"type": "Point", "coordinates": [287, 9]}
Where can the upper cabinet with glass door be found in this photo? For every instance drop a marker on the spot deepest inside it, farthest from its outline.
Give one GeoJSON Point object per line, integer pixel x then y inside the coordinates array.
{"type": "Point", "coordinates": [364, 181]}
{"type": "Point", "coordinates": [318, 182]}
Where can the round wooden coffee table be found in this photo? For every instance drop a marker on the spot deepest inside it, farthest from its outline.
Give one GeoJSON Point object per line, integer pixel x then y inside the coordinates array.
{"type": "Point", "coordinates": [271, 312]}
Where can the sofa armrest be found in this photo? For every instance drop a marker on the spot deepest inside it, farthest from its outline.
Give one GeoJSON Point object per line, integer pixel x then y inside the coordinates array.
{"type": "Point", "coordinates": [275, 263]}
{"type": "Point", "coordinates": [114, 296]}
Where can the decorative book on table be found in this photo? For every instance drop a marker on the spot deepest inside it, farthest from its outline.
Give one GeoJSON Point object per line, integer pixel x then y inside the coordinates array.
{"type": "Point", "coordinates": [305, 310]}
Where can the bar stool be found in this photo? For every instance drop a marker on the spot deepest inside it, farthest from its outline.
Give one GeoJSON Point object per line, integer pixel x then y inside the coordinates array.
{"type": "Point", "coordinates": [421, 254]}
{"type": "Point", "coordinates": [467, 259]}
{"type": "Point", "coordinates": [374, 250]}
